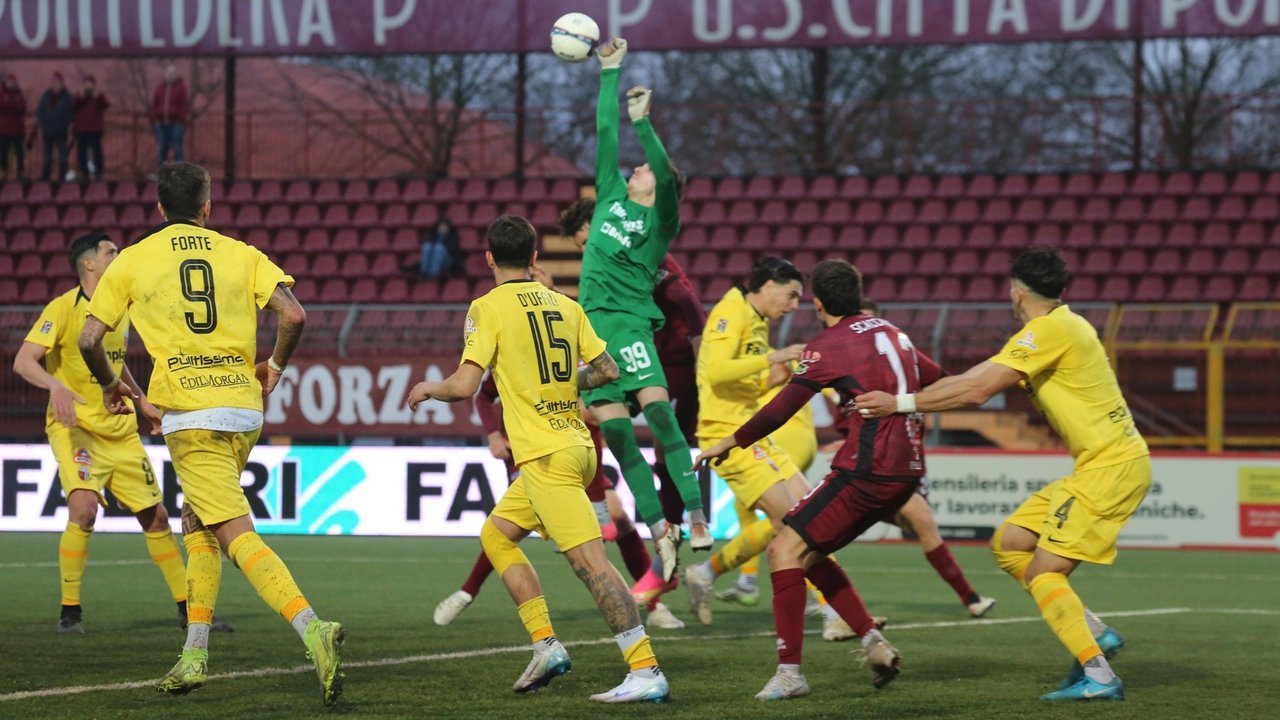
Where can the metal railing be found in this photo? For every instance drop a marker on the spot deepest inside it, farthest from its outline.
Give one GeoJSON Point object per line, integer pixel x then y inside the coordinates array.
{"type": "Point", "coordinates": [1232, 359]}
{"type": "Point", "coordinates": [906, 136]}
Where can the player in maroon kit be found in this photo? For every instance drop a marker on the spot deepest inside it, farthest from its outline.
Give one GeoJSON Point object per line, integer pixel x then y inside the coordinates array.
{"type": "Point", "coordinates": [873, 475]}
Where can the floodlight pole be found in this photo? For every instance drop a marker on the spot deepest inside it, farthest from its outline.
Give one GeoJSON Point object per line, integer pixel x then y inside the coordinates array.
{"type": "Point", "coordinates": [1138, 67]}
{"type": "Point", "coordinates": [522, 73]}
{"type": "Point", "coordinates": [819, 70]}
{"type": "Point", "coordinates": [229, 122]}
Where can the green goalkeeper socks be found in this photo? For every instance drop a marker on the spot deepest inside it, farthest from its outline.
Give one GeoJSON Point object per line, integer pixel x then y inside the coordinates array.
{"type": "Point", "coordinates": [621, 439]}
{"type": "Point", "coordinates": [665, 428]}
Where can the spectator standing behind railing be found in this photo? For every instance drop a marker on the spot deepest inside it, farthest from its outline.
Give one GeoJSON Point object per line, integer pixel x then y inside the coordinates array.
{"type": "Point", "coordinates": [169, 108]}
{"type": "Point", "coordinates": [13, 112]}
{"type": "Point", "coordinates": [91, 107]}
{"type": "Point", "coordinates": [54, 118]}
{"type": "Point", "coordinates": [441, 251]}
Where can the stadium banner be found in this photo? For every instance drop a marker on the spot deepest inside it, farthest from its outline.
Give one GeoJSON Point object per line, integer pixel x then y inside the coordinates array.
{"type": "Point", "coordinates": [85, 28]}
{"type": "Point", "coordinates": [300, 490]}
{"type": "Point", "coordinates": [366, 397]}
{"type": "Point", "coordinates": [1196, 500]}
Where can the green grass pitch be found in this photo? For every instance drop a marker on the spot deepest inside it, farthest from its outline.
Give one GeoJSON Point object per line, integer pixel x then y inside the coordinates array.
{"type": "Point", "coordinates": [1201, 662]}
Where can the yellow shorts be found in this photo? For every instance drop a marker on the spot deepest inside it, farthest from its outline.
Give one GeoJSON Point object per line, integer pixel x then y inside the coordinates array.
{"type": "Point", "coordinates": [749, 472]}
{"type": "Point", "coordinates": [1081, 515]}
{"type": "Point", "coordinates": [799, 443]}
{"type": "Point", "coordinates": [550, 498]}
{"type": "Point", "coordinates": [88, 462]}
{"type": "Point", "coordinates": [209, 464]}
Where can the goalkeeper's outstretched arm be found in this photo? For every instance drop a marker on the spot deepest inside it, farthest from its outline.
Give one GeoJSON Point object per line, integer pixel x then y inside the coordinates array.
{"type": "Point", "coordinates": [666, 194]}
{"type": "Point", "coordinates": [609, 180]}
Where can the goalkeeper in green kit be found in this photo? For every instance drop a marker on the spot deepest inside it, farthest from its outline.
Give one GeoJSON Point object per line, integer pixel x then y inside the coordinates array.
{"type": "Point", "coordinates": [634, 223]}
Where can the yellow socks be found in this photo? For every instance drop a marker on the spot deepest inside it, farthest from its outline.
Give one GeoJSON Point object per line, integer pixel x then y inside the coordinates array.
{"type": "Point", "coordinates": [746, 518]}
{"type": "Point", "coordinates": [268, 575]}
{"type": "Point", "coordinates": [204, 575]}
{"type": "Point", "coordinates": [1064, 612]}
{"type": "Point", "coordinates": [750, 542]}
{"type": "Point", "coordinates": [536, 619]}
{"type": "Point", "coordinates": [635, 648]}
{"type": "Point", "coordinates": [73, 554]}
{"type": "Point", "coordinates": [1011, 561]}
{"type": "Point", "coordinates": [165, 554]}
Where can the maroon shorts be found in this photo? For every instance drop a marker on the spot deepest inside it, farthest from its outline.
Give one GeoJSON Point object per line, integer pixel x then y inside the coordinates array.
{"type": "Point", "coordinates": [601, 482]}
{"type": "Point", "coordinates": [682, 386]}
{"type": "Point", "coordinates": [843, 507]}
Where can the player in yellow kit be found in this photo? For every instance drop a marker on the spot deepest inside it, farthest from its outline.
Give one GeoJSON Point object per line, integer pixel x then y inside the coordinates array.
{"type": "Point", "coordinates": [735, 369]}
{"type": "Point", "coordinates": [533, 337]}
{"type": "Point", "coordinates": [95, 450]}
{"type": "Point", "coordinates": [194, 295]}
{"type": "Point", "coordinates": [1059, 360]}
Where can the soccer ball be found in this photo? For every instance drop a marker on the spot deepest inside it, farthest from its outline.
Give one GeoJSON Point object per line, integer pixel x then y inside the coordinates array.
{"type": "Point", "coordinates": [574, 37]}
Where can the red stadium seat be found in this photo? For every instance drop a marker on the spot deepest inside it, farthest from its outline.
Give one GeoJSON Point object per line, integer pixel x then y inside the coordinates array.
{"type": "Point", "coordinates": [239, 192]}
{"type": "Point", "coordinates": [981, 186]}
{"type": "Point", "coordinates": [1255, 288]}
{"type": "Point", "coordinates": [1219, 289]}
{"type": "Point", "coordinates": [131, 216]}
{"type": "Point", "coordinates": [424, 216]}
{"type": "Point", "coordinates": [793, 188]}
{"type": "Point", "coordinates": [1132, 262]}
{"type": "Point", "coordinates": [444, 191]}
{"type": "Point", "coordinates": [36, 291]}
{"type": "Point", "coordinates": [1079, 185]}
{"type": "Point", "coordinates": [855, 187]}
{"type": "Point", "coordinates": [415, 191]}
{"type": "Point", "coordinates": [1179, 183]}
{"type": "Point", "coordinates": [104, 216]}
{"type": "Point", "coordinates": [867, 261]}
{"type": "Point", "coordinates": [756, 239]}
{"type": "Point", "coordinates": [1081, 235]}
{"type": "Point", "coordinates": [916, 237]}
{"type": "Point", "coordinates": [837, 212]}
{"type": "Point", "coordinates": [316, 241]}
{"type": "Point", "coordinates": [1014, 186]}
{"type": "Point", "coordinates": [949, 187]}
{"type": "Point", "coordinates": [730, 189]}
{"type": "Point", "coordinates": [406, 240]}
{"type": "Point", "coordinates": [1231, 209]}
{"type": "Point", "coordinates": [325, 266]}
{"type": "Point", "coordinates": [346, 241]}
{"type": "Point", "coordinates": [900, 263]}
{"type": "Point", "coordinates": [774, 213]}
{"type": "Point", "coordinates": [1148, 235]}
{"type": "Point", "coordinates": [356, 265]}
{"type": "Point", "coordinates": [882, 289]}
{"type": "Point", "coordinates": [742, 212]}
{"type": "Point", "coordinates": [1030, 211]}
{"type": "Point", "coordinates": [30, 265]}
{"type": "Point", "coordinates": [425, 291]}
{"type": "Point", "coordinates": [1145, 185]}
{"type": "Point", "coordinates": [819, 239]}
{"type": "Point", "coordinates": [886, 187]}
{"type": "Point", "coordinates": [1265, 209]}
{"type": "Point", "coordinates": [1047, 235]}
{"type": "Point", "coordinates": [704, 264]}
{"type": "Point", "coordinates": [67, 194]}
{"type": "Point", "coordinates": [884, 237]}
{"type": "Point", "coordinates": [327, 192]}
{"type": "Point", "coordinates": [711, 213]}
{"type": "Point", "coordinates": [981, 237]}
{"type": "Point", "coordinates": [1184, 289]}
{"type": "Point", "coordinates": [1046, 186]}
{"type": "Point", "coordinates": [998, 211]}
{"type": "Point", "coordinates": [250, 216]}
{"type": "Point", "coordinates": [945, 289]}
{"type": "Point", "coordinates": [46, 217]}
{"type": "Point", "coordinates": [386, 191]}
{"type": "Point", "coordinates": [334, 290]}
{"type": "Point", "coordinates": [932, 212]}
{"type": "Point", "coordinates": [869, 212]}
{"type": "Point", "coordinates": [364, 291]}
{"type": "Point", "coordinates": [948, 237]}
{"type": "Point", "coordinates": [258, 238]}
{"type": "Point", "coordinates": [396, 215]}
{"type": "Point", "coordinates": [395, 290]}
{"type": "Point", "coordinates": [964, 211]}
{"type": "Point", "coordinates": [534, 191]}
{"type": "Point", "coordinates": [1235, 261]}
{"type": "Point", "coordinates": [700, 188]}
{"type": "Point", "coordinates": [308, 216]}
{"type": "Point", "coordinates": [738, 266]}
{"type": "Point", "coordinates": [851, 238]}
{"type": "Point", "coordinates": [299, 191]}
{"type": "Point", "coordinates": [1163, 210]}
{"type": "Point", "coordinates": [1112, 185]}
{"type": "Point", "coordinates": [805, 213]}
{"type": "Point", "coordinates": [385, 265]}
{"type": "Point", "coordinates": [286, 241]}
{"type": "Point", "coordinates": [1129, 209]}
{"type": "Point", "coordinates": [694, 238]}
{"type": "Point", "coordinates": [474, 190]}
{"type": "Point", "coordinates": [1250, 235]}
{"type": "Point", "coordinates": [788, 236]}
{"type": "Point", "coordinates": [724, 238]}
{"type": "Point", "coordinates": [964, 262]}
{"type": "Point", "coordinates": [296, 265]}
{"type": "Point", "coordinates": [10, 193]}
{"type": "Point", "coordinates": [1216, 234]}
{"type": "Point", "coordinates": [914, 289]}
{"type": "Point", "coordinates": [760, 188]}
{"type": "Point", "coordinates": [1268, 262]}
{"type": "Point", "coordinates": [1182, 235]}
{"type": "Point", "coordinates": [1196, 209]}
{"type": "Point", "coordinates": [1098, 262]}
{"type": "Point", "coordinates": [1117, 289]}
{"type": "Point", "coordinates": [983, 289]}
{"type": "Point", "coordinates": [504, 191]}
{"type": "Point", "coordinates": [335, 216]}
{"type": "Point", "coordinates": [1166, 262]}
{"type": "Point", "coordinates": [1064, 210]}
{"type": "Point", "coordinates": [545, 216]}
{"type": "Point", "coordinates": [1200, 261]}
{"type": "Point", "coordinates": [1114, 235]}
{"type": "Point", "coordinates": [1096, 210]}
{"type": "Point", "coordinates": [365, 216]}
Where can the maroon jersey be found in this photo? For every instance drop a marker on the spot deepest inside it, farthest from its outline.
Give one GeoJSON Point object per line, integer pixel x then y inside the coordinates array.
{"type": "Point", "coordinates": [859, 354]}
{"type": "Point", "coordinates": [683, 312]}
{"type": "Point", "coordinates": [486, 401]}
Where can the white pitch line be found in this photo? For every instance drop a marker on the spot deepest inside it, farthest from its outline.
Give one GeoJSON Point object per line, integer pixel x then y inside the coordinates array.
{"type": "Point", "coordinates": [483, 652]}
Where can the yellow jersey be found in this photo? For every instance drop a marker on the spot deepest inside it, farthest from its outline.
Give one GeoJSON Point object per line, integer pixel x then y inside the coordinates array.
{"type": "Point", "coordinates": [733, 366]}
{"type": "Point", "coordinates": [533, 337]}
{"type": "Point", "coordinates": [193, 294]}
{"type": "Point", "coordinates": [58, 331]}
{"type": "Point", "coordinates": [1070, 380]}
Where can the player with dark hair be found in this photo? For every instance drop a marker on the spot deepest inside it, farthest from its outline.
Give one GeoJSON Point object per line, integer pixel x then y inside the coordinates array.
{"type": "Point", "coordinates": [96, 450]}
{"type": "Point", "coordinates": [917, 517]}
{"type": "Point", "coordinates": [1059, 360]}
{"type": "Point", "coordinates": [195, 294]}
{"type": "Point", "coordinates": [871, 477]}
{"type": "Point", "coordinates": [677, 345]}
{"type": "Point", "coordinates": [735, 369]}
{"type": "Point", "coordinates": [533, 338]}
{"type": "Point", "coordinates": [632, 227]}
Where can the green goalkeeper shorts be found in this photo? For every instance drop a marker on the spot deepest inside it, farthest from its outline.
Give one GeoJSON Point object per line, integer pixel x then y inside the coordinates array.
{"type": "Point", "coordinates": [630, 340]}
